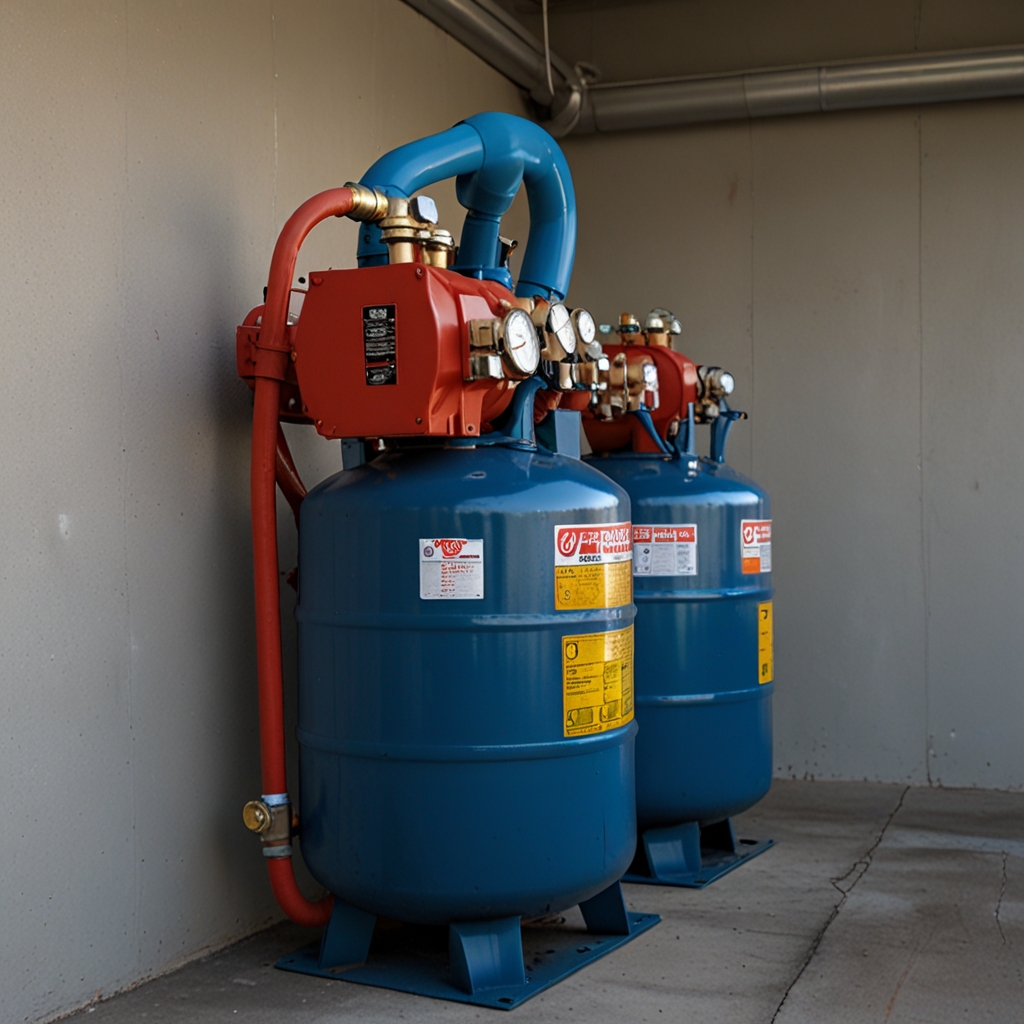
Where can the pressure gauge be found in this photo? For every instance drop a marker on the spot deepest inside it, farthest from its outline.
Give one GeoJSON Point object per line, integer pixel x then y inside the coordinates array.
{"type": "Point", "coordinates": [586, 329]}
{"type": "Point", "coordinates": [560, 325]}
{"type": "Point", "coordinates": [520, 350]}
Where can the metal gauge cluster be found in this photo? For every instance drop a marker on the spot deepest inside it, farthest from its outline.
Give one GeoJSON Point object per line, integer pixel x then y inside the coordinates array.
{"type": "Point", "coordinates": [519, 345]}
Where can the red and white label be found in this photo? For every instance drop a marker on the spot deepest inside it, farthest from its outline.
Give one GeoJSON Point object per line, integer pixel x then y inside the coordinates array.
{"type": "Point", "coordinates": [451, 568]}
{"type": "Point", "coordinates": [665, 550]}
{"type": "Point", "coordinates": [593, 544]}
{"type": "Point", "coordinates": [756, 545]}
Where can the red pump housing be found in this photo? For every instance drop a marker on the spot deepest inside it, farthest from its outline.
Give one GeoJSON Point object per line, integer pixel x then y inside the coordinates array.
{"type": "Point", "coordinates": [384, 352]}
{"type": "Point", "coordinates": [677, 387]}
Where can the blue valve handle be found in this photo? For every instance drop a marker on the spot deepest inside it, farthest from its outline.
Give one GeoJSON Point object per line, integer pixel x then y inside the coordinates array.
{"type": "Point", "coordinates": [489, 155]}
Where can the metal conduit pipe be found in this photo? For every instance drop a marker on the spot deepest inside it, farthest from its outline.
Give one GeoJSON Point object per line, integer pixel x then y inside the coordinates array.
{"type": "Point", "coordinates": [492, 35]}
{"type": "Point", "coordinates": [922, 78]}
{"type": "Point", "coordinates": [578, 108]}
{"type": "Point", "coordinates": [487, 29]}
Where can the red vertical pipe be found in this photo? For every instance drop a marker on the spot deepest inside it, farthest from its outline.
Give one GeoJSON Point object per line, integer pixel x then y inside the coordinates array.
{"type": "Point", "coordinates": [272, 356]}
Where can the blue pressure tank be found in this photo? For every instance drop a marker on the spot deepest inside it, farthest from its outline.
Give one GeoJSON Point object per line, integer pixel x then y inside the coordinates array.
{"type": "Point", "coordinates": [442, 780]}
{"type": "Point", "coordinates": [704, 660]}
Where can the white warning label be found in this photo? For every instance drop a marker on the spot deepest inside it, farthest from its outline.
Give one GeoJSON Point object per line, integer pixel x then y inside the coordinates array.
{"type": "Point", "coordinates": [665, 550]}
{"type": "Point", "coordinates": [451, 568]}
{"type": "Point", "coordinates": [756, 545]}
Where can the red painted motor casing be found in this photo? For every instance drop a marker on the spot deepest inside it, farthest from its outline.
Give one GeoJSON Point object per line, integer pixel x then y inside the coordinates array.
{"type": "Point", "coordinates": [677, 387]}
{"type": "Point", "coordinates": [427, 392]}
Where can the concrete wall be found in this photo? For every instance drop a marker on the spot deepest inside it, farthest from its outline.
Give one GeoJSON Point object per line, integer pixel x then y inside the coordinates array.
{"type": "Point", "coordinates": [151, 154]}
{"type": "Point", "coordinates": [862, 275]}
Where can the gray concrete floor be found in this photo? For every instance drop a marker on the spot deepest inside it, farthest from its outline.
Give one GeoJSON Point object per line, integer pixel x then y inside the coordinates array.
{"type": "Point", "coordinates": [879, 903]}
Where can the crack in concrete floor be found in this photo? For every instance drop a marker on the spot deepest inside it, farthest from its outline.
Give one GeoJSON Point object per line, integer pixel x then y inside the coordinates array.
{"type": "Point", "coordinates": [862, 863]}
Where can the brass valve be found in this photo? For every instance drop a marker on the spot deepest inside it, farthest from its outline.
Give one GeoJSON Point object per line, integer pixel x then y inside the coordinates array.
{"type": "Point", "coordinates": [272, 822]}
{"type": "Point", "coordinates": [256, 815]}
{"type": "Point", "coordinates": [660, 326]}
{"type": "Point", "coordinates": [631, 384]}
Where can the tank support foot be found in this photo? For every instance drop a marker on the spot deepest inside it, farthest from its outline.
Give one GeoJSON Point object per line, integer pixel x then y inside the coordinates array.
{"type": "Point", "coordinates": [491, 963]}
{"type": "Point", "coordinates": [692, 855]}
{"type": "Point", "coordinates": [605, 913]}
{"type": "Point", "coordinates": [719, 836]}
{"type": "Point", "coordinates": [486, 954]}
{"type": "Point", "coordinates": [346, 939]}
{"type": "Point", "coordinates": [673, 851]}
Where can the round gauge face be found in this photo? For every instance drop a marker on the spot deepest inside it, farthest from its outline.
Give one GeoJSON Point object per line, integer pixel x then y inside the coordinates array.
{"type": "Point", "coordinates": [586, 329]}
{"type": "Point", "coordinates": [560, 325]}
{"type": "Point", "coordinates": [522, 346]}
{"type": "Point", "coordinates": [727, 383]}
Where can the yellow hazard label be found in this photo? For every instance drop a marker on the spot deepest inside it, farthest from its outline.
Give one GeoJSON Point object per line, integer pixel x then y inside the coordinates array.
{"type": "Point", "coordinates": [597, 681]}
{"type": "Point", "coordinates": [593, 586]}
{"type": "Point", "coordinates": [765, 643]}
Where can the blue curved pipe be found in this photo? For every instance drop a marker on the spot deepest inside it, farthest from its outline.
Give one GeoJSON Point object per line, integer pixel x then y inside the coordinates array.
{"type": "Point", "coordinates": [489, 155]}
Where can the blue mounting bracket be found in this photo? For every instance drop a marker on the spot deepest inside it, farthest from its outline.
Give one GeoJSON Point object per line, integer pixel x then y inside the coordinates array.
{"type": "Point", "coordinates": [498, 964]}
{"type": "Point", "coordinates": [690, 855]}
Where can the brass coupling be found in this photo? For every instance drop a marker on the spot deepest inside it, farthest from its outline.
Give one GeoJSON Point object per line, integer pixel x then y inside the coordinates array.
{"type": "Point", "coordinates": [270, 818]}
{"type": "Point", "coordinates": [631, 385]}
{"type": "Point", "coordinates": [714, 385]}
{"type": "Point", "coordinates": [368, 204]}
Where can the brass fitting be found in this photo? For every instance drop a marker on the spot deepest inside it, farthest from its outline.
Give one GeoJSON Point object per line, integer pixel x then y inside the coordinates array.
{"type": "Point", "coordinates": [505, 347]}
{"type": "Point", "coordinates": [713, 386]}
{"type": "Point", "coordinates": [368, 204]}
{"type": "Point", "coordinates": [410, 227]}
{"type": "Point", "coordinates": [642, 383]}
{"type": "Point", "coordinates": [630, 384]}
{"type": "Point", "coordinates": [591, 373]}
{"type": "Point", "coordinates": [257, 816]}
{"type": "Point", "coordinates": [628, 329]}
{"type": "Point", "coordinates": [660, 327]}
{"type": "Point", "coordinates": [270, 818]}
{"type": "Point", "coordinates": [439, 249]}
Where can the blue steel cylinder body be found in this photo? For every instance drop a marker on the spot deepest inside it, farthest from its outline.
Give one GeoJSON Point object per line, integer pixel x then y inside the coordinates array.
{"type": "Point", "coordinates": [704, 748]}
{"type": "Point", "coordinates": [437, 784]}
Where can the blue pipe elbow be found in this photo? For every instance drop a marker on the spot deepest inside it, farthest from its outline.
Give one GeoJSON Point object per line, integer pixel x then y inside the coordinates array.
{"type": "Point", "coordinates": [489, 155]}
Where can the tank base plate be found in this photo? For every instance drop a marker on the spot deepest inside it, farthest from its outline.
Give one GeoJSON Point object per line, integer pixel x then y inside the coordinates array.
{"type": "Point", "coordinates": [414, 959]}
{"type": "Point", "coordinates": [714, 864]}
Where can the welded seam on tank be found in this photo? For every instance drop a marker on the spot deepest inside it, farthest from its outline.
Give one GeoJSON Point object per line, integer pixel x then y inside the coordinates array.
{"type": "Point", "coordinates": [565, 747]}
{"type": "Point", "coordinates": [461, 622]}
{"type": "Point", "coordinates": [856, 872]}
{"type": "Point", "coordinates": [763, 593]}
{"type": "Point", "coordinates": [721, 697]}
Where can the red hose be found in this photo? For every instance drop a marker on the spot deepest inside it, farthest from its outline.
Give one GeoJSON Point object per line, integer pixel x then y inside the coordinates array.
{"type": "Point", "coordinates": [272, 355]}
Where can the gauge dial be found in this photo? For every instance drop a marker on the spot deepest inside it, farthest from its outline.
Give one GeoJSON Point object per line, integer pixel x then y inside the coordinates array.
{"type": "Point", "coordinates": [586, 329]}
{"type": "Point", "coordinates": [521, 346]}
{"type": "Point", "coordinates": [560, 325]}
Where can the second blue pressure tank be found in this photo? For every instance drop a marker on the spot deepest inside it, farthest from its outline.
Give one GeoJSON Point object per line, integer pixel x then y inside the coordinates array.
{"type": "Point", "coordinates": [704, 658]}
